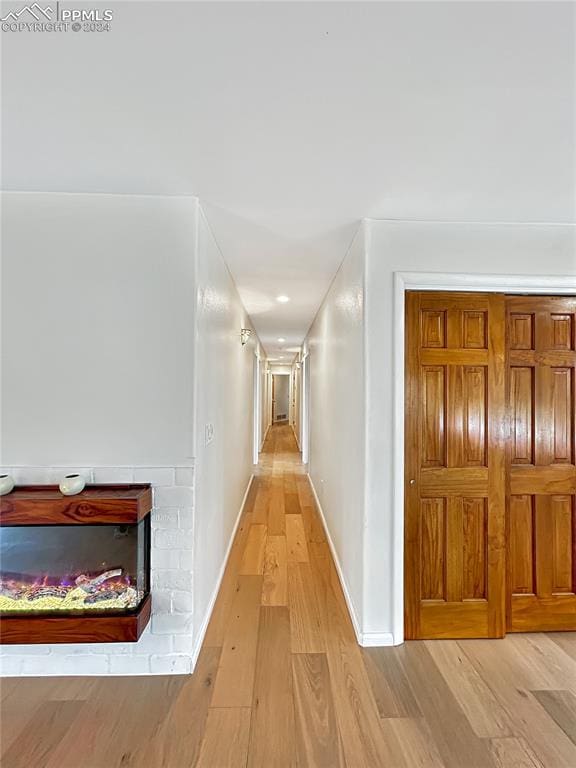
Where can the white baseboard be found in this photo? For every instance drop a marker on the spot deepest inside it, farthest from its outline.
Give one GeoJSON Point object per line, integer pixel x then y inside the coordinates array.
{"type": "Point", "coordinates": [296, 437]}
{"type": "Point", "coordinates": [264, 438]}
{"type": "Point", "coordinates": [207, 616]}
{"type": "Point", "coordinates": [365, 639]}
{"type": "Point", "coordinates": [377, 639]}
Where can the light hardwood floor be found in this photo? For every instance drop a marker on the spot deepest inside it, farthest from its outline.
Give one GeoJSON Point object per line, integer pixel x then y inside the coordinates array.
{"type": "Point", "coordinates": [281, 681]}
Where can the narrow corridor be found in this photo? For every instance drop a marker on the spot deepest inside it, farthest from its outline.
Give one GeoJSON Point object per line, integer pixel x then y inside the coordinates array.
{"type": "Point", "coordinates": [271, 620]}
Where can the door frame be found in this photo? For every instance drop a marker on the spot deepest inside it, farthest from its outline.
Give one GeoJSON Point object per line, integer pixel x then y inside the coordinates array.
{"type": "Point", "coordinates": [305, 408]}
{"type": "Point", "coordinates": [257, 410]}
{"type": "Point", "coordinates": [274, 409]}
{"type": "Point", "coordinates": [438, 281]}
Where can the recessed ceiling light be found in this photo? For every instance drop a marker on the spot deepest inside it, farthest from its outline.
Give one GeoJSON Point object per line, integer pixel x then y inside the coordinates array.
{"type": "Point", "coordinates": [281, 340]}
{"type": "Point", "coordinates": [282, 299]}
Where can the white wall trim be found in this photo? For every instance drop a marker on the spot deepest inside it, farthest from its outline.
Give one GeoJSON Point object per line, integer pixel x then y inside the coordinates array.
{"type": "Point", "coordinates": [377, 639]}
{"type": "Point", "coordinates": [257, 418]}
{"type": "Point", "coordinates": [296, 437]}
{"type": "Point", "coordinates": [367, 393]}
{"type": "Point", "coordinates": [368, 639]}
{"type": "Point", "coordinates": [265, 436]}
{"type": "Point", "coordinates": [469, 222]}
{"type": "Point", "coordinates": [438, 281]}
{"type": "Point", "coordinates": [305, 409]}
{"type": "Point", "coordinates": [195, 330]}
{"type": "Point", "coordinates": [454, 281]}
{"type": "Point", "coordinates": [207, 616]}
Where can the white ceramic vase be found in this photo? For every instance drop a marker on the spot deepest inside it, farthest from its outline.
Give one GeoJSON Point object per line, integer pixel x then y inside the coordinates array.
{"type": "Point", "coordinates": [72, 484]}
{"type": "Point", "coordinates": [6, 484]}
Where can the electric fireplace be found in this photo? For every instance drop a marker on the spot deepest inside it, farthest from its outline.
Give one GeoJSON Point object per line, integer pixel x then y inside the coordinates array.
{"type": "Point", "coordinates": [74, 569]}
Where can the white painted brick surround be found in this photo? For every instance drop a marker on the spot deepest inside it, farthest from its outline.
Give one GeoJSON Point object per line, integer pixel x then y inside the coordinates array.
{"type": "Point", "coordinates": [167, 644]}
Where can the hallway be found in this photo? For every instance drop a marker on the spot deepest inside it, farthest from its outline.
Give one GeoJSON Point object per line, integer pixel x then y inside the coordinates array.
{"type": "Point", "coordinates": [288, 385]}
{"type": "Point", "coordinates": [282, 682]}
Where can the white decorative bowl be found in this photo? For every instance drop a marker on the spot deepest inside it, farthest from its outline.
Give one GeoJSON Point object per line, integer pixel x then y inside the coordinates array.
{"type": "Point", "coordinates": [6, 484]}
{"type": "Point", "coordinates": [72, 484]}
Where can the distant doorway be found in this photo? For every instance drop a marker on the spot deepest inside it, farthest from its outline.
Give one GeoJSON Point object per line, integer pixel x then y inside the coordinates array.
{"type": "Point", "coordinates": [280, 397]}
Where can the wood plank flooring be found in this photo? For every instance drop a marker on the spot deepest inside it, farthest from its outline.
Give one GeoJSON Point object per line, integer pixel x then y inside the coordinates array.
{"type": "Point", "coordinates": [281, 681]}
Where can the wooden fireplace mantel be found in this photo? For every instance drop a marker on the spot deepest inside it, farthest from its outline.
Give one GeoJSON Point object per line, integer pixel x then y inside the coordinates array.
{"type": "Point", "coordinates": [96, 504]}
{"type": "Point", "coordinates": [87, 627]}
{"type": "Point", "coordinates": [46, 505]}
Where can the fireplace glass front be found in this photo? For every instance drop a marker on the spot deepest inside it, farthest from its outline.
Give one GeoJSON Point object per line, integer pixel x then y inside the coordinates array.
{"type": "Point", "coordinates": [55, 569]}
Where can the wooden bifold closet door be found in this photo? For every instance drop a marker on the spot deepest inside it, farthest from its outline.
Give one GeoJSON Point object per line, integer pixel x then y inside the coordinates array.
{"type": "Point", "coordinates": [490, 529]}
{"type": "Point", "coordinates": [541, 535]}
{"type": "Point", "coordinates": [455, 466]}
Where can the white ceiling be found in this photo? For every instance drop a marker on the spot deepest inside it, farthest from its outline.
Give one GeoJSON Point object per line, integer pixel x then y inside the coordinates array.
{"type": "Point", "coordinates": [291, 122]}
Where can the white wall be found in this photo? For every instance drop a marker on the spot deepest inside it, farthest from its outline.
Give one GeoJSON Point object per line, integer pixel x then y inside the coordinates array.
{"type": "Point", "coordinates": [224, 399]}
{"type": "Point", "coordinates": [428, 247]}
{"type": "Point", "coordinates": [337, 434]}
{"type": "Point", "coordinates": [97, 377]}
{"type": "Point", "coordinates": [97, 307]}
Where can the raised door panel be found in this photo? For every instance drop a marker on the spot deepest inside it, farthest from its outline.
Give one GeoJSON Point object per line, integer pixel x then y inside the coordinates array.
{"type": "Point", "coordinates": [562, 331]}
{"type": "Point", "coordinates": [474, 403]}
{"type": "Point", "coordinates": [474, 327]}
{"type": "Point", "coordinates": [455, 492]}
{"type": "Point", "coordinates": [466, 408]}
{"type": "Point", "coordinates": [521, 544]}
{"type": "Point", "coordinates": [521, 330]}
{"type": "Point", "coordinates": [562, 416]}
{"type": "Point", "coordinates": [433, 329]}
{"type": "Point", "coordinates": [433, 549]}
{"type": "Point", "coordinates": [541, 521]}
{"type": "Point", "coordinates": [563, 544]}
{"type": "Point", "coordinates": [475, 546]}
{"type": "Point", "coordinates": [521, 414]}
{"type": "Point", "coordinates": [433, 413]}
